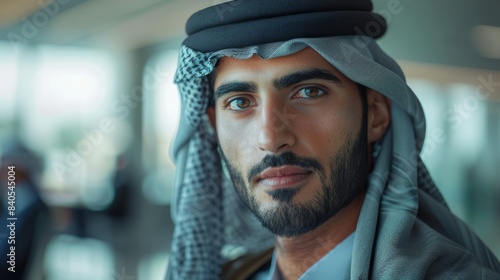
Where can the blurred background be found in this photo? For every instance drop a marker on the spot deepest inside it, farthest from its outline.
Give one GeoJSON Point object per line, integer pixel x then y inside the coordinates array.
{"type": "Point", "coordinates": [88, 111]}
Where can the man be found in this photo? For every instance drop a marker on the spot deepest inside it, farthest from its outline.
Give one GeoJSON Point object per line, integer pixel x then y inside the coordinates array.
{"type": "Point", "coordinates": [292, 113]}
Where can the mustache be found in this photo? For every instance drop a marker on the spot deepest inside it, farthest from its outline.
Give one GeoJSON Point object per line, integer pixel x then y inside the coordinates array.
{"type": "Point", "coordinates": [286, 158]}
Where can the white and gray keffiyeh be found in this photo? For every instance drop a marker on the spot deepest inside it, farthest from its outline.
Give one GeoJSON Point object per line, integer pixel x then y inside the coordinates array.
{"type": "Point", "coordinates": [405, 230]}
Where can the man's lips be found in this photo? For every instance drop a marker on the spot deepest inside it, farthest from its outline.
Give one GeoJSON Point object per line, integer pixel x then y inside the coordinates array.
{"type": "Point", "coordinates": [283, 177]}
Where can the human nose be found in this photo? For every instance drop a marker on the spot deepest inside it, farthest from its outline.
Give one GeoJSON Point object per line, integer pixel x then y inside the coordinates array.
{"type": "Point", "coordinates": [275, 134]}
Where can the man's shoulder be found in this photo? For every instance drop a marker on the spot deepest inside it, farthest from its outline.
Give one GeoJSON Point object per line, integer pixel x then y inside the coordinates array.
{"type": "Point", "coordinates": [246, 265]}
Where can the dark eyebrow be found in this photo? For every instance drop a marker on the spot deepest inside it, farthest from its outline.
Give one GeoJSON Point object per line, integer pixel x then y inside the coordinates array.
{"type": "Point", "coordinates": [304, 75]}
{"type": "Point", "coordinates": [280, 83]}
{"type": "Point", "coordinates": [234, 86]}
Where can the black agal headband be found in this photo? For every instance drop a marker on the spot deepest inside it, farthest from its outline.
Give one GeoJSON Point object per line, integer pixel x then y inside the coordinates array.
{"type": "Point", "coordinates": [242, 23]}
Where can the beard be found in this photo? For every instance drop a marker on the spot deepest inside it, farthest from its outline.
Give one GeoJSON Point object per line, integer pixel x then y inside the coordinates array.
{"type": "Point", "coordinates": [343, 180]}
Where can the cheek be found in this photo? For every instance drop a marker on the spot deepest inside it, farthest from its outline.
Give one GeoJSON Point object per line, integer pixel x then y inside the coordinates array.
{"type": "Point", "coordinates": [237, 143]}
{"type": "Point", "coordinates": [324, 134]}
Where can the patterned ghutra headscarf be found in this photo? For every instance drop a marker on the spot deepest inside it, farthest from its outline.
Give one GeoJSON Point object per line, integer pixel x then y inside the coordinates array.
{"type": "Point", "coordinates": [405, 229]}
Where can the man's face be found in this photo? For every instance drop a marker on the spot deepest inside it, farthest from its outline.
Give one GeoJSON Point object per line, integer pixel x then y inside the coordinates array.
{"type": "Point", "coordinates": [293, 136]}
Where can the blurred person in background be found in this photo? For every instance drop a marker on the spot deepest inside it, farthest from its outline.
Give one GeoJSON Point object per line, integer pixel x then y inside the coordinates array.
{"type": "Point", "coordinates": [28, 204]}
{"type": "Point", "coordinates": [300, 134]}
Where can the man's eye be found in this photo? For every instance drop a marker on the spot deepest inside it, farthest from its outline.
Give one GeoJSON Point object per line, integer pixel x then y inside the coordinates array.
{"type": "Point", "coordinates": [309, 92]}
{"type": "Point", "coordinates": [239, 104]}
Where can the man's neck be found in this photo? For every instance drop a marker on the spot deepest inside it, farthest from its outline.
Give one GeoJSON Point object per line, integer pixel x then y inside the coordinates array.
{"type": "Point", "coordinates": [296, 254]}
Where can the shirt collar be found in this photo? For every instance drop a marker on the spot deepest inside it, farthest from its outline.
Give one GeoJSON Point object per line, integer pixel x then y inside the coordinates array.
{"type": "Point", "coordinates": [335, 263]}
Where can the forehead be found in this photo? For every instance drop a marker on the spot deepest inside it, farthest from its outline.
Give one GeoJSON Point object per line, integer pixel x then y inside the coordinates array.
{"type": "Point", "coordinates": [255, 67]}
